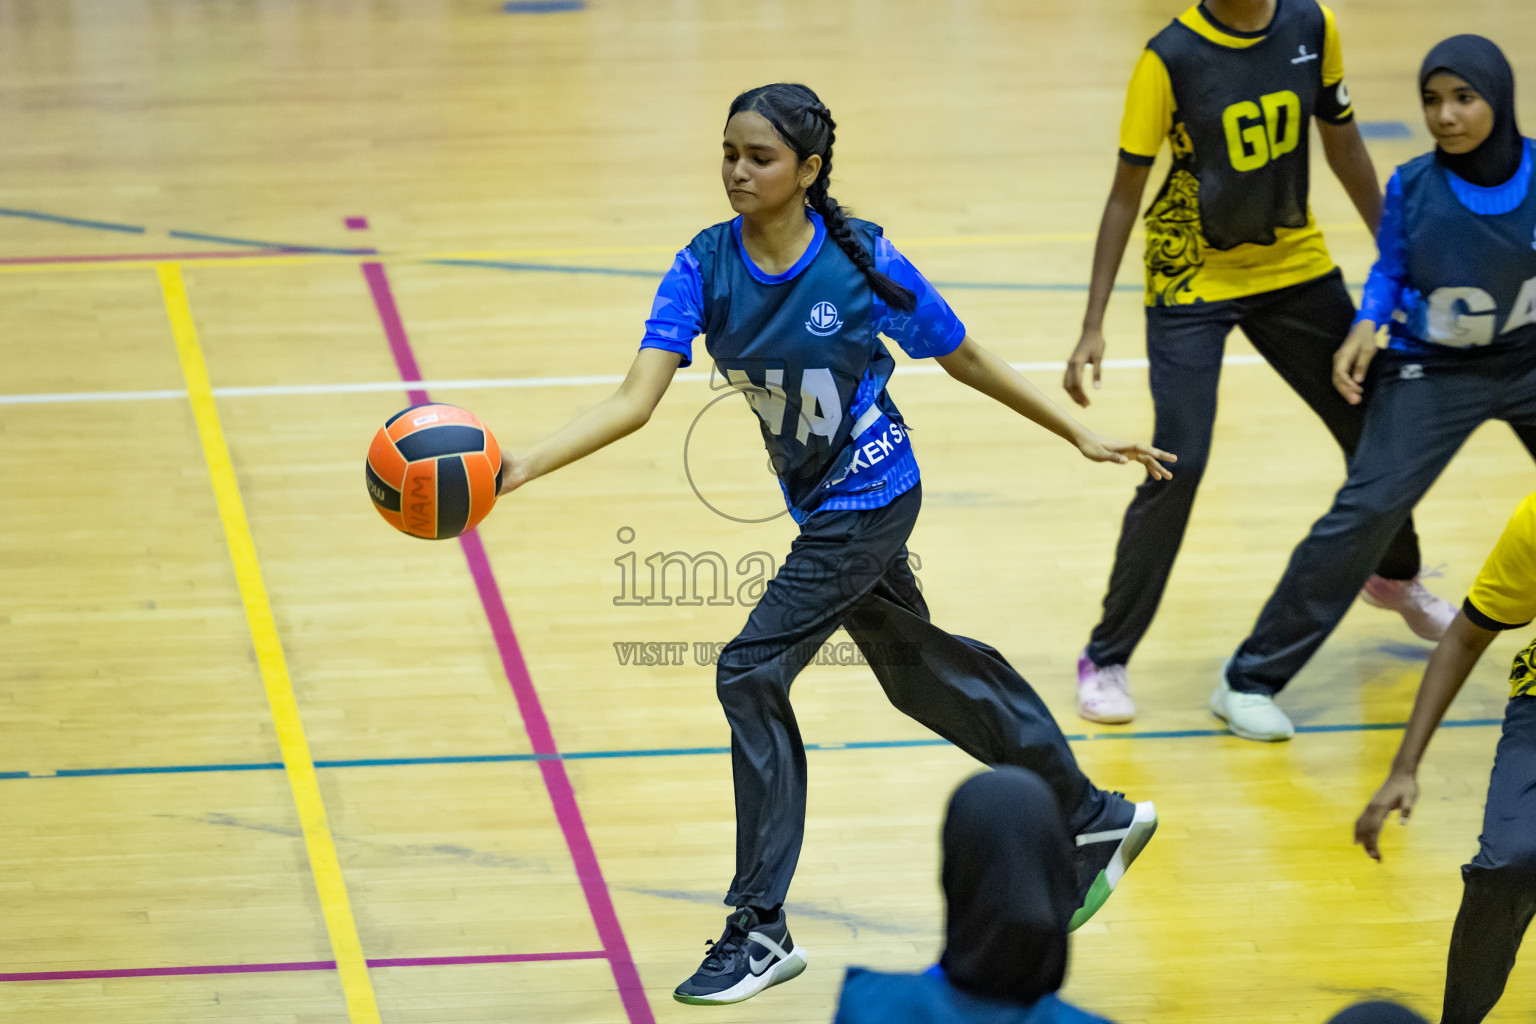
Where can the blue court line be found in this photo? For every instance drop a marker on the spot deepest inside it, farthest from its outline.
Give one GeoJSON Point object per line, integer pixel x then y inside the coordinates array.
{"type": "Point", "coordinates": [134, 229]}
{"type": "Point", "coordinates": [542, 6]}
{"type": "Point", "coordinates": [198, 236]}
{"type": "Point", "coordinates": [653, 275]}
{"type": "Point", "coordinates": [592, 755]}
{"type": "Point", "coordinates": [551, 268]}
{"type": "Point", "coordinates": [1385, 130]}
{"type": "Point", "coordinates": [165, 769]}
{"type": "Point", "coordinates": [74, 222]}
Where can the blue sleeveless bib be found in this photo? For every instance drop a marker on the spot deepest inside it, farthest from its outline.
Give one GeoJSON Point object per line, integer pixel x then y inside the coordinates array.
{"type": "Point", "coordinates": [803, 348]}
{"type": "Point", "coordinates": [1473, 274]}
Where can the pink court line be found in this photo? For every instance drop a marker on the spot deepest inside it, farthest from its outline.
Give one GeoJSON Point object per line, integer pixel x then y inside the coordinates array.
{"type": "Point", "coordinates": [300, 965]}
{"type": "Point", "coordinates": [558, 784]}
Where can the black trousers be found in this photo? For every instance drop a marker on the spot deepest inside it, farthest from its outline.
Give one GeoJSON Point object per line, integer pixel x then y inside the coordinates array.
{"type": "Point", "coordinates": [1499, 886]}
{"type": "Point", "coordinates": [1421, 410]}
{"type": "Point", "coordinates": [850, 569]}
{"type": "Point", "coordinates": [1296, 330]}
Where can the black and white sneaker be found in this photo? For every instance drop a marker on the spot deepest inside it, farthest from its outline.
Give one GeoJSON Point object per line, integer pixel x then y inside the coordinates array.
{"type": "Point", "coordinates": [749, 957]}
{"type": "Point", "coordinates": [1106, 848]}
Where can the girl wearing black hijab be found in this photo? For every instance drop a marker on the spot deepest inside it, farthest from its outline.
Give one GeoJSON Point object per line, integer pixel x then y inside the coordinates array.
{"type": "Point", "coordinates": [1455, 288]}
{"type": "Point", "coordinates": [1008, 888]}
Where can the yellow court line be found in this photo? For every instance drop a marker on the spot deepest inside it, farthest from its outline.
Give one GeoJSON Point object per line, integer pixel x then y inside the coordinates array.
{"type": "Point", "coordinates": [362, 1008]}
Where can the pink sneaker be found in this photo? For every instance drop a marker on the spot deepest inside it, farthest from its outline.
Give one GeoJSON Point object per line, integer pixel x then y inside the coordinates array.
{"type": "Point", "coordinates": [1427, 615]}
{"type": "Point", "coordinates": [1103, 692]}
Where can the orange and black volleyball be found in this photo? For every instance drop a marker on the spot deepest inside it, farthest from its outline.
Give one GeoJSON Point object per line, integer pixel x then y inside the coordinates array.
{"type": "Point", "coordinates": [433, 471]}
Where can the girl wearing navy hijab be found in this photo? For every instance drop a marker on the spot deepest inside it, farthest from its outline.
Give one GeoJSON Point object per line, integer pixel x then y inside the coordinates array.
{"type": "Point", "coordinates": [793, 296]}
{"type": "Point", "coordinates": [1455, 287]}
{"type": "Point", "coordinates": [1008, 900]}
{"type": "Point", "coordinates": [1377, 1012]}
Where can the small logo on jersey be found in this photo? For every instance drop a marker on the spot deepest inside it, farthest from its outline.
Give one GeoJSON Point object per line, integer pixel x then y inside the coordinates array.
{"type": "Point", "coordinates": [1413, 371]}
{"type": "Point", "coordinates": [1305, 56]}
{"type": "Point", "coordinates": [824, 320]}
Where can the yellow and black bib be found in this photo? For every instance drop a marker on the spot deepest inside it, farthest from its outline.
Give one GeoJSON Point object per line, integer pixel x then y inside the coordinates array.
{"type": "Point", "coordinates": [1242, 109]}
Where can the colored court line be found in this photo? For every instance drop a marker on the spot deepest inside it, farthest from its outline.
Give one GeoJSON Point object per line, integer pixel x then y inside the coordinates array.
{"type": "Point", "coordinates": [646, 752]}
{"type": "Point", "coordinates": [145, 258]}
{"type": "Point", "coordinates": [498, 383]}
{"type": "Point", "coordinates": [74, 222]}
{"type": "Point", "coordinates": [340, 926]}
{"type": "Point", "coordinates": [297, 965]}
{"type": "Point", "coordinates": [556, 780]}
{"type": "Point", "coordinates": [551, 268]}
{"type": "Point", "coordinates": [1385, 130]}
{"type": "Point", "coordinates": [542, 6]}
{"type": "Point", "coordinates": [198, 236]}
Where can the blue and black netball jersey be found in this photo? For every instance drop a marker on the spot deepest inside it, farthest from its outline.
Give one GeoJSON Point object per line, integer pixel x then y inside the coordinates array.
{"type": "Point", "coordinates": [1457, 263]}
{"type": "Point", "coordinates": [804, 346]}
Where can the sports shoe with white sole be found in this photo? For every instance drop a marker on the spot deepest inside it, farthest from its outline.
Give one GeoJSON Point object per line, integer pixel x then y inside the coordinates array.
{"type": "Point", "coordinates": [1427, 615]}
{"type": "Point", "coordinates": [1103, 692]}
{"type": "Point", "coordinates": [747, 958]}
{"type": "Point", "coordinates": [1106, 848]}
{"type": "Point", "coordinates": [1253, 716]}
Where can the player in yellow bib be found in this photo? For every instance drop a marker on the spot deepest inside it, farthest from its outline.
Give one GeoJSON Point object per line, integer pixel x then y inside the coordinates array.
{"type": "Point", "coordinates": [1499, 885]}
{"type": "Point", "coordinates": [1233, 86]}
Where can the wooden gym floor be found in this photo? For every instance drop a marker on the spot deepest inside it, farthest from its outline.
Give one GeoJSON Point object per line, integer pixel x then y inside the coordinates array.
{"type": "Point", "coordinates": [263, 760]}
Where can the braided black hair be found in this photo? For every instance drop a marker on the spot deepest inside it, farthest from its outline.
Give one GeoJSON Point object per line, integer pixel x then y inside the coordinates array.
{"type": "Point", "coordinates": [805, 123]}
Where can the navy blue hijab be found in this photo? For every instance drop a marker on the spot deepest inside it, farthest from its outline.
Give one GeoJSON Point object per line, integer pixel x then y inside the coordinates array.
{"type": "Point", "coordinates": [1377, 1012]}
{"type": "Point", "coordinates": [1482, 65]}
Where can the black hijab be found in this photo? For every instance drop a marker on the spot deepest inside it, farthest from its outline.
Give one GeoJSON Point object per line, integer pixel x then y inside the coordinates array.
{"type": "Point", "coordinates": [1008, 882]}
{"type": "Point", "coordinates": [1482, 65]}
{"type": "Point", "coordinates": [1377, 1012]}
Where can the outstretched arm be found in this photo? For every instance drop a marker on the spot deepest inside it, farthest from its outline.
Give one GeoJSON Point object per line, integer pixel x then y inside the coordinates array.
{"type": "Point", "coordinates": [1464, 642]}
{"type": "Point", "coordinates": [621, 413]}
{"type": "Point", "coordinates": [973, 365]}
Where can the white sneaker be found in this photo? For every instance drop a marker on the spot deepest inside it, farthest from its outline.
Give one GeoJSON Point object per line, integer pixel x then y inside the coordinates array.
{"type": "Point", "coordinates": [1103, 692]}
{"type": "Point", "coordinates": [1427, 615]}
{"type": "Point", "coordinates": [1253, 716]}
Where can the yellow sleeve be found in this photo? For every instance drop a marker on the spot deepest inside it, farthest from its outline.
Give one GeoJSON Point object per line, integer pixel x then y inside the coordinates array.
{"type": "Point", "coordinates": [1333, 53]}
{"type": "Point", "coordinates": [1504, 594]}
{"type": "Point", "coordinates": [1148, 111]}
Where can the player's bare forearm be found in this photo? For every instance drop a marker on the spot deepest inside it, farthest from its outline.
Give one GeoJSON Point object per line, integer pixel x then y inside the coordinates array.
{"type": "Point", "coordinates": [1351, 163]}
{"type": "Point", "coordinates": [1450, 664]}
{"type": "Point", "coordinates": [1114, 235]}
{"type": "Point", "coordinates": [976, 367]}
{"type": "Point", "coordinates": [620, 414]}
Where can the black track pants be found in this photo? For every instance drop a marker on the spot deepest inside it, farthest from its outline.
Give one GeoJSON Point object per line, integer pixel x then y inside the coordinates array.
{"type": "Point", "coordinates": [1296, 330]}
{"type": "Point", "coordinates": [850, 569]}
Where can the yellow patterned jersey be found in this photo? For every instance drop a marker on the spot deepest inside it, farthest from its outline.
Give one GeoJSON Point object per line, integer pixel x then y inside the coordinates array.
{"type": "Point", "coordinates": [1232, 219]}
{"type": "Point", "coordinates": [1504, 593]}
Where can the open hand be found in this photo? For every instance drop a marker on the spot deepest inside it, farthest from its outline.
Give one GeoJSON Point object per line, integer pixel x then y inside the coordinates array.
{"type": "Point", "coordinates": [1352, 360]}
{"type": "Point", "coordinates": [1089, 352]}
{"type": "Point", "coordinates": [1100, 449]}
{"type": "Point", "coordinates": [1399, 793]}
